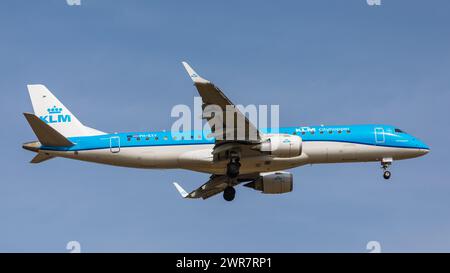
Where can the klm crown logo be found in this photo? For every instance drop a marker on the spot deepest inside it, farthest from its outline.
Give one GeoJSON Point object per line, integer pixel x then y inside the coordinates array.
{"type": "Point", "coordinates": [55, 116]}
{"type": "Point", "coordinates": [54, 110]}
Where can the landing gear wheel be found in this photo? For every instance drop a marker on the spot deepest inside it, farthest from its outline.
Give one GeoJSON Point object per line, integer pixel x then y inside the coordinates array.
{"type": "Point", "coordinates": [229, 193]}
{"type": "Point", "coordinates": [233, 169]}
{"type": "Point", "coordinates": [385, 163]}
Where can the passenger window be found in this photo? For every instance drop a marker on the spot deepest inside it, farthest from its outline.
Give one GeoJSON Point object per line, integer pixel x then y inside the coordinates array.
{"type": "Point", "coordinates": [138, 138]}
{"type": "Point", "coordinates": [128, 138]}
{"type": "Point", "coordinates": [165, 138]}
{"type": "Point", "coordinates": [348, 131]}
{"type": "Point", "coordinates": [321, 131]}
{"type": "Point", "coordinates": [147, 138]}
{"type": "Point", "coordinates": [330, 131]}
{"type": "Point", "coordinates": [303, 132]}
{"type": "Point", "coordinates": [339, 131]}
{"type": "Point", "coordinates": [156, 138]}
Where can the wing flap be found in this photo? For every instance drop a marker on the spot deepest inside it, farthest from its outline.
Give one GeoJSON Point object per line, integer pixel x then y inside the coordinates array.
{"type": "Point", "coordinates": [215, 185]}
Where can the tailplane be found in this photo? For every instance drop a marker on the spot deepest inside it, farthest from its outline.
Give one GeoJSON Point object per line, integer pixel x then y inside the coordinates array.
{"type": "Point", "coordinates": [46, 135]}
{"type": "Point", "coordinates": [40, 157]}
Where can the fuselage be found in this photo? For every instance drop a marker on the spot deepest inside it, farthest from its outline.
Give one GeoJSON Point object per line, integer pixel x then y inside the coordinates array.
{"type": "Point", "coordinates": [193, 150]}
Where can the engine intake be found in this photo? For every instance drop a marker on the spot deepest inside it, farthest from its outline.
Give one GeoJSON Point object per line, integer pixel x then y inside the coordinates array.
{"type": "Point", "coordinates": [273, 183]}
{"type": "Point", "coordinates": [282, 146]}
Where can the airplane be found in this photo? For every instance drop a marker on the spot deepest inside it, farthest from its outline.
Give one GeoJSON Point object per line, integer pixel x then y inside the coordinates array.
{"type": "Point", "coordinates": [260, 162]}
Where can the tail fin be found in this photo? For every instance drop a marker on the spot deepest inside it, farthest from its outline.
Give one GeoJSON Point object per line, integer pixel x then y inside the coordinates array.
{"type": "Point", "coordinates": [53, 113]}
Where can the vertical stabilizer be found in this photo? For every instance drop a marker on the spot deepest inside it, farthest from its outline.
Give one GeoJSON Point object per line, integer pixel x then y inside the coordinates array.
{"type": "Point", "coordinates": [51, 111]}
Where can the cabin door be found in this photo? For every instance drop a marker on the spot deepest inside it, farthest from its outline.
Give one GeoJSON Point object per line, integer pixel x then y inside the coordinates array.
{"type": "Point", "coordinates": [114, 144]}
{"type": "Point", "coordinates": [379, 135]}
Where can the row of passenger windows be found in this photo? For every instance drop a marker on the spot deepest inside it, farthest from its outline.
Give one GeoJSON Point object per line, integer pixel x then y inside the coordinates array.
{"type": "Point", "coordinates": [312, 132]}
{"type": "Point", "coordinates": [164, 138]}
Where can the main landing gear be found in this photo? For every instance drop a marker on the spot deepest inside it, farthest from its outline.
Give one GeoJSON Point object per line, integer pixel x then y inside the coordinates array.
{"type": "Point", "coordinates": [229, 193]}
{"type": "Point", "coordinates": [233, 167]}
{"type": "Point", "coordinates": [385, 163]}
{"type": "Point", "coordinates": [232, 172]}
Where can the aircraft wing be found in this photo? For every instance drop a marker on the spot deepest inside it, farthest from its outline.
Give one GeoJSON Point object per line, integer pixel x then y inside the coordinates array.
{"type": "Point", "coordinates": [215, 185]}
{"type": "Point", "coordinates": [241, 129]}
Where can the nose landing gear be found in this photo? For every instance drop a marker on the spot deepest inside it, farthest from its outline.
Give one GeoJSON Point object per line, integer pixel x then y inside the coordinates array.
{"type": "Point", "coordinates": [385, 163]}
{"type": "Point", "coordinates": [387, 174]}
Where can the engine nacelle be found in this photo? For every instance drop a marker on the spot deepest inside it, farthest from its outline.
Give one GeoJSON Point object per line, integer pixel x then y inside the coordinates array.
{"type": "Point", "coordinates": [282, 145]}
{"type": "Point", "coordinates": [273, 183]}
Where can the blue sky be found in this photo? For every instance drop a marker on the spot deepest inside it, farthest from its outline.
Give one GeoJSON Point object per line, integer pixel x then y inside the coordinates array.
{"type": "Point", "coordinates": [116, 65]}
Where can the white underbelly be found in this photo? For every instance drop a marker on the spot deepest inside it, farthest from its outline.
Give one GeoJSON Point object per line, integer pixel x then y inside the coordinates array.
{"type": "Point", "coordinates": [158, 157]}
{"type": "Point", "coordinates": [335, 152]}
{"type": "Point", "coordinates": [199, 157]}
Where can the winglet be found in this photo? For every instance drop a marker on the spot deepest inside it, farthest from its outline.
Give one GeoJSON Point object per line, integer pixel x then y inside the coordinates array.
{"type": "Point", "coordinates": [182, 192]}
{"type": "Point", "coordinates": [194, 76]}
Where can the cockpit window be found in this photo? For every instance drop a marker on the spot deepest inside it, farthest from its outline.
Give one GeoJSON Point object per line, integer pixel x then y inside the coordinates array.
{"type": "Point", "coordinates": [398, 130]}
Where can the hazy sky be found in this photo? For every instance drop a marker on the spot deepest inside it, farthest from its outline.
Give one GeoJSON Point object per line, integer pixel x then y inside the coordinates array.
{"type": "Point", "coordinates": [116, 65]}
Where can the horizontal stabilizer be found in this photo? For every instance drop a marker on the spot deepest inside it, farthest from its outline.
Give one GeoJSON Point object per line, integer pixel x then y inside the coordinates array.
{"type": "Point", "coordinates": [47, 135]}
{"type": "Point", "coordinates": [41, 158]}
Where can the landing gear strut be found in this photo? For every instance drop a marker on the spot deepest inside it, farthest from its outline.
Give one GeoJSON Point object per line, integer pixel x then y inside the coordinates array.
{"type": "Point", "coordinates": [232, 172]}
{"type": "Point", "coordinates": [233, 167]}
{"type": "Point", "coordinates": [229, 193]}
{"type": "Point", "coordinates": [385, 163]}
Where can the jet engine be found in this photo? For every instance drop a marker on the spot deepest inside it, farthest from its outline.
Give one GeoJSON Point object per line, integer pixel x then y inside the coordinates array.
{"type": "Point", "coordinates": [273, 183]}
{"type": "Point", "coordinates": [281, 146]}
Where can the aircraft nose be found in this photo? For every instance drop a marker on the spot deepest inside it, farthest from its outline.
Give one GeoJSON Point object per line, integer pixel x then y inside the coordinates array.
{"type": "Point", "coordinates": [423, 148]}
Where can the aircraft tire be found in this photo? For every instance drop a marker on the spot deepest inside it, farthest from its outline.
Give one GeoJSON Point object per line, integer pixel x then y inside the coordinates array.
{"type": "Point", "coordinates": [229, 193]}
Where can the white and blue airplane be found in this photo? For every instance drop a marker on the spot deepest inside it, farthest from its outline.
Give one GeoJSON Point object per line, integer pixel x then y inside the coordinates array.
{"type": "Point", "coordinates": [258, 161]}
